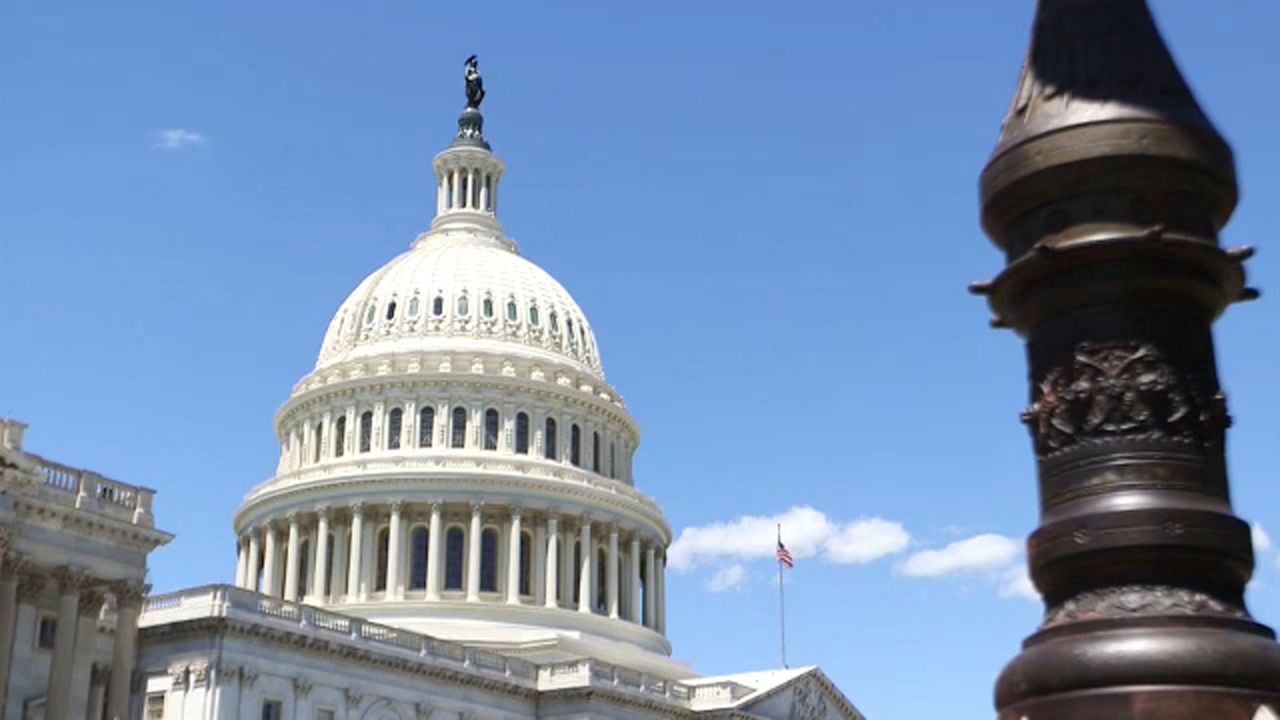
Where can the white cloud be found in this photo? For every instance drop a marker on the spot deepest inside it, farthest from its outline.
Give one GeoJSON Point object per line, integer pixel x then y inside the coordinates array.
{"type": "Point", "coordinates": [979, 553]}
{"type": "Point", "coordinates": [1261, 540]}
{"type": "Point", "coordinates": [1015, 582]}
{"type": "Point", "coordinates": [807, 533]}
{"type": "Point", "coordinates": [729, 578]}
{"type": "Point", "coordinates": [176, 138]}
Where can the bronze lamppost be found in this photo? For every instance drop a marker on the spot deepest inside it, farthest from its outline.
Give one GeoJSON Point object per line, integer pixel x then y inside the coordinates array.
{"type": "Point", "coordinates": [1106, 191]}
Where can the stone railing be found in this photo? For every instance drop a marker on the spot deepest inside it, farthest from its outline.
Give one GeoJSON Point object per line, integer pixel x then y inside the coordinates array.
{"type": "Point", "coordinates": [89, 491]}
{"type": "Point", "coordinates": [232, 602]}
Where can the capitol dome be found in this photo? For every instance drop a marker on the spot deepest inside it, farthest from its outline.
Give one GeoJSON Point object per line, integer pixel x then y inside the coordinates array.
{"type": "Point", "coordinates": [456, 464]}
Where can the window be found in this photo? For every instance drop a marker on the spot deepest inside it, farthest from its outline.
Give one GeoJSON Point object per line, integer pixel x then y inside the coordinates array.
{"type": "Point", "coordinates": [391, 310]}
{"type": "Point", "coordinates": [549, 440]}
{"type": "Point", "coordinates": [46, 633]}
{"type": "Point", "coordinates": [272, 710]}
{"type": "Point", "coordinates": [573, 339]}
{"type": "Point", "coordinates": [463, 307]}
{"type": "Point", "coordinates": [153, 708]}
{"type": "Point", "coordinates": [613, 453]}
{"type": "Point", "coordinates": [487, 305]}
{"type": "Point", "coordinates": [526, 563]}
{"type": "Point", "coordinates": [319, 440]}
{"type": "Point", "coordinates": [328, 566]}
{"type": "Point", "coordinates": [522, 433]}
{"type": "Point", "coordinates": [453, 559]}
{"type": "Point", "coordinates": [380, 564]}
{"type": "Point", "coordinates": [418, 562]}
{"type": "Point", "coordinates": [489, 560]}
{"type": "Point", "coordinates": [304, 569]}
{"type": "Point", "coordinates": [340, 436]}
{"type": "Point", "coordinates": [490, 429]}
{"type": "Point", "coordinates": [413, 307]}
{"type": "Point", "coordinates": [595, 452]}
{"type": "Point", "coordinates": [437, 306]}
{"type": "Point", "coordinates": [370, 314]}
{"type": "Point", "coordinates": [426, 426]}
{"type": "Point", "coordinates": [366, 431]}
{"type": "Point", "coordinates": [459, 429]}
{"type": "Point", "coordinates": [488, 191]}
{"type": "Point", "coordinates": [395, 424]}
{"type": "Point", "coordinates": [555, 325]}
{"type": "Point", "coordinates": [602, 566]}
{"type": "Point", "coordinates": [575, 445]}
{"type": "Point", "coordinates": [577, 571]}
{"type": "Point", "coordinates": [512, 312]}
{"type": "Point", "coordinates": [533, 315]}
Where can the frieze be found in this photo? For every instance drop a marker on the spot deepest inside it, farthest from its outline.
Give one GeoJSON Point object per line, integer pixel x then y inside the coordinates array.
{"type": "Point", "coordinates": [1136, 601]}
{"type": "Point", "coordinates": [808, 701]}
{"type": "Point", "coordinates": [1125, 390]}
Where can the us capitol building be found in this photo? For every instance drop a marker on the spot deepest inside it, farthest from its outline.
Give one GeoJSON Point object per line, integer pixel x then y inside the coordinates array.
{"type": "Point", "coordinates": [453, 529]}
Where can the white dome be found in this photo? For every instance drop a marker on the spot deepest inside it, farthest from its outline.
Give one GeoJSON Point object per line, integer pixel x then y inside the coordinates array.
{"type": "Point", "coordinates": [461, 290]}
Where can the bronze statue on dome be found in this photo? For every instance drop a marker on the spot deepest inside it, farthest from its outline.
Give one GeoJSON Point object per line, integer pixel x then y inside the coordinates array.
{"type": "Point", "coordinates": [475, 83]}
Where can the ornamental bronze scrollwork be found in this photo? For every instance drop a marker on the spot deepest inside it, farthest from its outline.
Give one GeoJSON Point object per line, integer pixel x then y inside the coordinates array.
{"type": "Point", "coordinates": [1126, 389]}
{"type": "Point", "coordinates": [1138, 600]}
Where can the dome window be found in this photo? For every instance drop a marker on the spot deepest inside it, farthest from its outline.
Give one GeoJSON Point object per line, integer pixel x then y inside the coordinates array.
{"type": "Point", "coordinates": [340, 436]}
{"type": "Point", "coordinates": [366, 431]}
{"type": "Point", "coordinates": [394, 425]}
{"type": "Point", "coordinates": [555, 323]}
{"type": "Point", "coordinates": [512, 313]}
{"type": "Point", "coordinates": [522, 433]}
{"type": "Point", "coordinates": [380, 566]}
{"type": "Point", "coordinates": [370, 314]}
{"type": "Point", "coordinates": [418, 564]}
{"type": "Point", "coordinates": [413, 307]}
{"type": "Point", "coordinates": [459, 429]}
{"type": "Point", "coordinates": [463, 307]}
{"type": "Point", "coordinates": [488, 307]}
{"type": "Point", "coordinates": [533, 315]}
{"type": "Point", "coordinates": [437, 306]}
{"type": "Point", "coordinates": [319, 442]}
{"type": "Point", "coordinates": [426, 426]}
{"type": "Point", "coordinates": [573, 339]}
{"type": "Point", "coordinates": [453, 559]}
{"type": "Point", "coordinates": [391, 310]}
{"type": "Point", "coordinates": [575, 445]}
{"type": "Point", "coordinates": [549, 440]}
{"type": "Point", "coordinates": [490, 429]}
{"type": "Point", "coordinates": [595, 452]}
{"type": "Point", "coordinates": [489, 560]}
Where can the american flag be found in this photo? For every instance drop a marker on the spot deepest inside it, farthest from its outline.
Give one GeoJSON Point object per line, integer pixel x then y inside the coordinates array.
{"type": "Point", "coordinates": [784, 555]}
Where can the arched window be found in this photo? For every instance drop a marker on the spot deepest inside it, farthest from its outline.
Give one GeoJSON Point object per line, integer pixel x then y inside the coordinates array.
{"type": "Point", "coordinates": [575, 445]}
{"type": "Point", "coordinates": [463, 307]}
{"type": "Point", "coordinates": [391, 310]}
{"type": "Point", "coordinates": [489, 560]}
{"type": "Point", "coordinates": [577, 571]}
{"type": "Point", "coordinates": [437, 306]}
{"type": "Point", "coordinates": [595, 452]}
{"type": "Point", "coordinates": [319, 441]}
{"type": "Point", "coordinates": [426, 426]}
{"type": "Point", "coordinates": [340, 436]}
{"type": "Point", "coordinates": [549, 440]}
{"type": "Point", "coordinates": [413, 306]}
{"type": "Point", "coordinates": [613, 455]}
{"type": "Point", "coordinates": [490, 429]}
{"type": "Point", "coordinates": [512, 312]}
{"type": "Point", "coordinates": [304, 569]}
{"type": "Point", "coordinates": [459, 429]}
{"type": "Point", "coordinates": [644, 594]}
{"type": "Point", "coordinates": [526, 564]}
{"type": "Point", "coordinates": [522, 433]}
{"type": "Point", "coordinates": [453, 559]}
{"type": "Point", "coordinates": [448, 196]}
{"type": "Point", "coordinates": [366, 431]}
{"type": "Point", "coordinates": [380, 563]}
{"type": "Point", "coordinates": [418, 561]}
{"type": "Point", "coordinates": [533, 315]}
{"type": "Point", "coordinates": [370, 314]}
{"type": "Point", "coordinates": [394, 426]}
{"type": "Point", "coordinates": [327, 568]}
{"type": "Point", "coordinates": [573, 339]}
{"type": "Point", "coordinates": [487, 306]}
{"type": "Point", "coordinates": [602, 567]}
{"type": "Point", "coordinates": [555, 324]}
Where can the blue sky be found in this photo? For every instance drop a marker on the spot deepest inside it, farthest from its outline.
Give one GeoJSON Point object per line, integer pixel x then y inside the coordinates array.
{"type": "Point", "coordinates": [768, 211]}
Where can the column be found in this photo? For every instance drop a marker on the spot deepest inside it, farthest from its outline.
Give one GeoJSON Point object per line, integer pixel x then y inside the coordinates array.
{"type": "Point", "coordinates": [568, 568]}
{"type": "Point", "coordinates": [513, 557]}
{"type": "Point", "coordinates": [292, 564]}
{"type": "Point", "coordinates": [634, 558]}
{"type": "Point", "coordinates": [612, 572]}
{"type": "Point", "coordinates": [319, 569]}
{"type": "Point", "coordinates": [97, 691]}
{"type": "Point", "coordinates": [434, 552]}
{"type": "Point", "coordinates": [86, 637]}
{"type": "Point", "coordinates": [255, 552]}
{"type": "Point", "coordinates": [457, 188]}
{"type": "Point", "coordinates": [123, 655]}
{"type": "Point", "coordinates": [354, 556]}
{"type": "Point", "coordinates": [648, 586]}
{"type": "Point", "coordinates": [338, 573]}
{"type": "Point", "coordinates": [585, 586]}
{"type": "Point", "coordinates": [8, 616]}
{"type": "Point", "coordinates": [473, 554]}
{"type": "Point", "coordinates": [242, 561]}
{"type": "Point", "coordinates": [58, 694]}
{"type": "Point", "coordinates": [394, 541]}
{"type": "Point", "coordinates": [552, 590]}
{"type": "Point", "coordinates": [661, 591]}
{"type": "Point", "coordinates": [539, 563]}
{"type": "Point", "coordinates": [271, 572]}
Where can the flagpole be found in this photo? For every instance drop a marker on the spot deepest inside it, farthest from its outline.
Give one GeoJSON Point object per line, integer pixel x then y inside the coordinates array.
{"type": "Point", "coordinates": [782, 604]}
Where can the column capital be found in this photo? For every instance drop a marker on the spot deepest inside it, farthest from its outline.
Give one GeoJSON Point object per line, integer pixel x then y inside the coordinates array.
{"type": "Point", "coordinates": [322, 511]}
{"type": "Point", "coordinates": [477, 507]}
{"type": "Point", "coordinates": [357, 508]}
{"type": "Point", "coordinates": [292, 518]}
{"type": "Point", "coordinates": [437, 506]}
{"type": "Point", "coordinates": [613, 530]}
{"type": "Point", "coordinates": [91, 600]}
{"type": "Point", "coordinates": [98, 674]}
{"type": "Point", "coordinates": [516, 511]}
{"type": "Point", "coordinates": [7, 536]}
{"type": "Point", "coordinates": [128, 593]}
{"type": "Point", "coordinates": [70, 579]}
{"type": "Point", "coordinates": [397, 506]}
{"type": "Point", "coordinates": [30, 586]}
{"type": "Point", "coordinates": [14, 563]}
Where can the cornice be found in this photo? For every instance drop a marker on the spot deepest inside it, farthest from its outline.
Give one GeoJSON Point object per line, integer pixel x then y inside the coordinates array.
{"type": "Point", "coordinates": [589, 693]}
{"type": "Point", "coordinates": [65, 517]}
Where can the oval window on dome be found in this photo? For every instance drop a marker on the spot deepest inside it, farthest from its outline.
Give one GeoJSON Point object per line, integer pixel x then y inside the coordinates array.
{"type": "Point", "coordinates": [437, 306]}
{"type": "Point", "coordinates": [512, 314]}
{"type": "Point", "coordinates": [573, 339]}
{"type": "Point", "coordinates": [369, 314]}
{"type": "Point", "coordinates": [488, 307]}
{"type": "Point", "coordinates": [555, 324]}
{"type": "Point", "coordinates": [413, 307]}
{"type": "Point", "coordinates": [533, 315]}
{"type": "Point", "coordinates": [462, 306]}
{"type": "Point", "coordinates": [391, 310]}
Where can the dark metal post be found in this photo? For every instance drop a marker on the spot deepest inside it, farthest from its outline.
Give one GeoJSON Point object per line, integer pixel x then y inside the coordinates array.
{"type": "Point", "coordinates": [1106, 192]}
